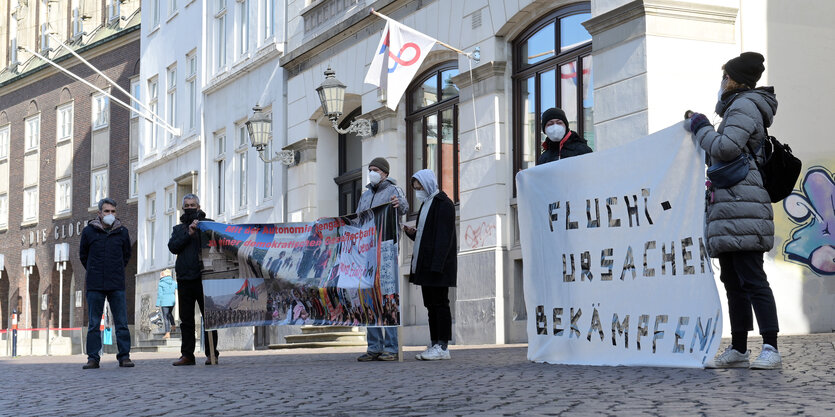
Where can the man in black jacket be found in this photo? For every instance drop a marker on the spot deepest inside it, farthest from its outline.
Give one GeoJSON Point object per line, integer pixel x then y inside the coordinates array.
{"type": "Point", "coordinates": [104, 252]}
{"type": "Point", "coordinates": [561, 142]}
{"type": "Point", "coordinates": [186, 244]}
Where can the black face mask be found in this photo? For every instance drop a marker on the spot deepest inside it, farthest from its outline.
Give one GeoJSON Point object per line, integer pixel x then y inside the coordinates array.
{"type": "Point", "coordinates": [189, 215]}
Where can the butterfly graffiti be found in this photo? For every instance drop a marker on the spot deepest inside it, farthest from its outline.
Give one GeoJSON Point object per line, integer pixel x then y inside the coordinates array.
{"type": "Point", "coordinates": [812, 209]}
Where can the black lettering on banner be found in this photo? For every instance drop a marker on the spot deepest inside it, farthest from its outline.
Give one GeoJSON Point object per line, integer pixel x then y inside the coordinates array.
{"type": "Point", "coordinates": [558, 330]}
{"type": "Point", "coordinates": [668, 257]}
{"type": "Point", "coordinates": [596, 221]}
{"type": "Point", "coordinates": [632, 210]}
{"type": "Point", "coordinates": [595, 324]}
{"type": "Point", "coordinates": [612, 201]}
{"type": "Point", "coordinates": [566, 277]}
{"type": "Point", "coordinates": [606, 275]}
{"type": "Point", "coordinates": [574, 319]}
{"type": "Point", "coordinates": [569, 225]}
{"type": "Point", "coordinates": [540, 320]}
{"type": "Point", "coordinates": [648, 272]}
{"type": "Point", "coordinates": [658, 334]}
{"type": "Point", "coordinates": [585, 266]}
{"type": "Point", "coordinates": [628, 264]}
{"type": "Point", "coordinates": [620, 328]}
{"type": "Point", "coordinates": [686, 255]}
{"type": "Point", "coordinates": [703, 256]}
{"type": "Point", "coordinates": [553, 214]}
{"type": "Point", "coordinates": [682, 321]}
{"type": "Point", "coordinates": [645, 194]}
{"type": "Point", "coordinates": [643, 324]}
{"type": "Point", "coordinates": [700, 334]}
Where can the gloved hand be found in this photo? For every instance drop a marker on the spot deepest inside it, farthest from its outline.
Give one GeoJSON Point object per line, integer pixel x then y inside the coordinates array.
{"type": "Point", "coordinates": [696, 122]}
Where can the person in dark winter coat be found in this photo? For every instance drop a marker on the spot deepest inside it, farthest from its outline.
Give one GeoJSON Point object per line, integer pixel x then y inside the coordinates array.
{"type": "Point", "coordinates": [434, 260]}
{"type": "Point", "coordinates": [561, 142]}
{"type": "Point", "coordinates": [185, 242]}
{"type": "Point", "coordinates": [104, 252]}
{"type": "Point", "coordinates": [739, 220]}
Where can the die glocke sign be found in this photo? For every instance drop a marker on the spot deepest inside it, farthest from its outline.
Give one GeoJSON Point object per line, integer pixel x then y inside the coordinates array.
{"type": "Point", "coordinates": [616, 267]}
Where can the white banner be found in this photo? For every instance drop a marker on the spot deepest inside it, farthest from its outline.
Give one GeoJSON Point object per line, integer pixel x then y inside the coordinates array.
{"type": "Point", "coordinates": [615, 263]}
{"type": "Point", "coordinates": [398, 57]}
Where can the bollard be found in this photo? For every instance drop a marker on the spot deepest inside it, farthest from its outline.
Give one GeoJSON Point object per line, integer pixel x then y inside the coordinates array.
{"type": "Point", "coordinates": [14, 333]}
{"type": "Point", "coordinates": [101, 333]}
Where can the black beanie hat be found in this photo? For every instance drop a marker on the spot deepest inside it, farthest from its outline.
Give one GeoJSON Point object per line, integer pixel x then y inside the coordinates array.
{"type": "Point", "coordinates": [380, 163]}
{"type": "Point", "coordinates": [551, 114]}
{"type": "Point", "coordinates": [746, 69]}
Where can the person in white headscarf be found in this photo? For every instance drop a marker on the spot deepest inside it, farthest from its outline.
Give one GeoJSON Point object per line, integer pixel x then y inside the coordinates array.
{"type": "Point", "coordinates": [434, 260]}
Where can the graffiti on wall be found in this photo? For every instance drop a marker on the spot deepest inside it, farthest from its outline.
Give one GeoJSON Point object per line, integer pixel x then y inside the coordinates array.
{"type": "Point", "coordinates": [477, 237]}
{"type": "Point", "coordinates": [812, 210]}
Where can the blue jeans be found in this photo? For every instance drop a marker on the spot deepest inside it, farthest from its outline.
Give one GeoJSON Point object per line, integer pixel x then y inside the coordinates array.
{"type": "Point", "coordinates": [376, 340]}
{"type": "Point", "coordinates": [118, 306]}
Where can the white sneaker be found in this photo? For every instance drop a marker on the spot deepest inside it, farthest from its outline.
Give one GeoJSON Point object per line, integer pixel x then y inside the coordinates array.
{"type": "Point", "coordinates": [435, 353]}
{"type": "Point", "coordinates": [730, 358]}
{"type": "Point", "coordinates": [419, 356]}
{"type": "Point", "coordinates": [769, 359]}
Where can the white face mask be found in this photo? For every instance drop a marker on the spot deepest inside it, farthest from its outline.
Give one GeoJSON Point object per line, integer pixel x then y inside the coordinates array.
{"type": "Point", "coordinates": [722, 86]}
{"type": "Point", "coordinates": [422, 195]}
{"type": "Point", "coordinates": [374, 177]}
{"type": "Point", "coordinates": [109, 219]}
{"type": "Point", "coordinates": [555, 132]}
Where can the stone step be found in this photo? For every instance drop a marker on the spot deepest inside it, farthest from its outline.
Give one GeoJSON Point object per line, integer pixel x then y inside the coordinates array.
{"type": "Point", "coordinates": [154, 349]}
{"type": "Point", "coordinates": [328, 329]}
{"type": "Point", "coordinates": [161, 342]}
{"type": "Point", "coordinates": [317, 345]}
{"type": "Point", "coordinates": [351, 337]}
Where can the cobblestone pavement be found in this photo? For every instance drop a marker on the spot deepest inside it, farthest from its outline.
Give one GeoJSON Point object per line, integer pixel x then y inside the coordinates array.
{"type": "Point", "coordinates": [479, 380]}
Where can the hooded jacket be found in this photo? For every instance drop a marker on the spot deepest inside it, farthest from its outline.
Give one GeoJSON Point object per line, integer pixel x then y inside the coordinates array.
{"type": "Point", "coordinates": [739, 218]}
{"type": "Point", "coordinates": [105, 254]}
{"type": "Point", "coordinates": [436, 263]}
{"type": "Point", "coordinates": [187, 248]}
{"type": "Point", "coordinates": [574, 145]}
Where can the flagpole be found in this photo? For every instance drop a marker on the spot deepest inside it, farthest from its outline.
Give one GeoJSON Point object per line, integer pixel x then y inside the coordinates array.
{"type": "Point", "coordinates": [445, 45]}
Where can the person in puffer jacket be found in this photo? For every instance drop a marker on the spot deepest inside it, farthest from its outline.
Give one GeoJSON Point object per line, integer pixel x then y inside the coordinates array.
{"type": "Point", "coordinates": [739, 224]}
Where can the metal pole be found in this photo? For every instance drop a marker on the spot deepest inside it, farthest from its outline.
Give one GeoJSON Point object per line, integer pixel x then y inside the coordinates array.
{"type": "Point", "coordinates": [61, 266]}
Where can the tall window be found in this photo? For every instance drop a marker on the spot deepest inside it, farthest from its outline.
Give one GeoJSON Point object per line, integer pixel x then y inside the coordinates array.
{"type": "Point", "coordinates": [171, 98]}
{"type": "Point", "coordinates": [31, 168]}
{"type": "Point", "coordinates": [63, 196]}
{"type": "Point", "coordinates": [243, 27]}
{"type": "Point", "coordinates": [349, 182]}
{"type": "Point", "coordinates": [101, 111]}
{"type": "Point", "coordinates": [220, 173]}
{"type": "Point", "coordinates": [64, 125]}
{"type": "Point", "coordinates": [98, 189]}
{"type": "Point", "coordinates": [30, 204]}
{"type": "Point", "coordinates": [77, 25]}
{"type": "Point", "coordinates": [4, 177]}
{"type": "Point", "coordinates": [4, 210]}
{"type": "Point", "coordinates": [172, 7]}
{"type": "Point", "coordinates": [155, 12]}
{"type": "Point", "coordinates": [135, 89]}
{"type": "Point", "coordinates": [267, 175]}
{"type": "Point", "coordinates": [150, 227]}
{"type": "Point", "coordinates": [220, 35]}
{"type": "Point", "coordinates": [432, 128]}
{"type": "Point", "coordinates": [113, 9]}
{"type": "Point", "coordinates": [63, 159]}
{"type": "Point", "coordinates": [552, 68]}
{"type": "Point", "coordinates": [269, 18]}
{"type": "Point", "coordinates": [170, 215]}
{"type": "Point", "coordinates": [32, 133]}
{"type": "Point", "coordinates": [191, 86]}
{"type": "Point", "coordinates": [241, 196]}
{"type": "Point", "coordinates": [153, 104]}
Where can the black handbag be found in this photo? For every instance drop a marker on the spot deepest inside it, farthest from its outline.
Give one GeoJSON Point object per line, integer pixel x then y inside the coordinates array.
{"type": "Point", "coordinates": [728, 174]}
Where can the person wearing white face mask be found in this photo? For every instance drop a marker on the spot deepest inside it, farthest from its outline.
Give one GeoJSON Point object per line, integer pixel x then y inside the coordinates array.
{"type": "Point", "coordinates": [104, 251]}
{"type": "Point", "coordinates": [434, 260]}
{"type": "Point", "coordinates": [560, 142]}
{"type": "Point", "coordinates": [382, 189]}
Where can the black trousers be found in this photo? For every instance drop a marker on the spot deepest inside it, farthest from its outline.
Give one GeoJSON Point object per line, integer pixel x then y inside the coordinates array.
{"type": "Point", "coordinates": [436, 301]}
{"type": "Point", "coordinates": [190, 292]}
{"type": "Point", "coordinates": [747, 286]}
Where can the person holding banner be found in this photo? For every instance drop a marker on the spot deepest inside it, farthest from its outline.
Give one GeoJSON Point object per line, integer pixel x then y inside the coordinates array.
{"type": "Point", "coordinates": [739, 218]}
{"type": "Point", "coordinates": [185, 242]}
{"type": "Point", "coordinates": [434, 260]}
{"type": "Point", "coordinates": [560, 142]}
{"type": "Point", "coordinates": [381, 190]}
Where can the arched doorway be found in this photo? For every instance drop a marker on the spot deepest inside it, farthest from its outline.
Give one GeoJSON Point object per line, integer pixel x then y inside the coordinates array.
{"type": "Point", "coordinates": [5, 311]}
{"type": "Point", "coordinates": [33, 308]}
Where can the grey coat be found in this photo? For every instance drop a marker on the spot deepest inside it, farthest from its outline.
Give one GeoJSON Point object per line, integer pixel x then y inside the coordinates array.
{"type": "Point", "coordinates": [739, 218]}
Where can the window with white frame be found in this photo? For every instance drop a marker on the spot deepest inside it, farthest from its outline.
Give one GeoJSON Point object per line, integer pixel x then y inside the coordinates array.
{"type": "Point", "coordinates": [241, 162]}
{"type": "Point", "coordinates": [170, 215]}
{"type": "Point", "coordinates": [155, 12]}
{"type": "Point", "coordinates": [150, 228]}
{"type": "Point", "coordinates": [4, 211]}
{"type": "Point", "coordinates": [4, 177]}
{"type": "Point", "coordinates": [171, 99]}
{"type": "Point", "coordinates": [153, 104]}
{"type": "Point", "coordinates": [113, 9]}
{"type": "Point", "coordinates": [134, 179]}
{"type": "Point", "coordinates": [4, 143]}
{"type": "Point", "coordinates": [45, 36]}
{"type": "Point", "coordinates": [101, 111]}
{"type": "Point", "coordinates": [191, 86]}
{"type": "Point", "coordinates": [243, 27]}
{"type": "Point", "coordinates": [136, 92]}
{"type": "Point", "coordinates": [220, 173]}
{"type": "Point", "coordinates": [63, 196]}
{"type": "Point", "coordinates": [172, 7]}
{"type": "Point", "coordinates": [77, 25]}
{"type": "Point", "coordinates": [268, 16]}
{"type": "Point", "coordinates": [98, 186]}
{"type": "Point", "coordinates": [65, 122]}
{"type": "Point", "coordinates": [267, 172]}
{"type": "Point", "coordinates": [32, 133]}
{"type": "Point", "coordinates": [30, 204]}
{"type": "Point", "coordinates": [220, 35]}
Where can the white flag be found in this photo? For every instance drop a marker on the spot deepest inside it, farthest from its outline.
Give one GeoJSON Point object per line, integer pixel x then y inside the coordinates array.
{"type": "Point", "coordinates": [399, 55]}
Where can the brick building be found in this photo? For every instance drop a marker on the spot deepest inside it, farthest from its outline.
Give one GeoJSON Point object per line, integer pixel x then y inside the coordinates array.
{"type": "Point", "coordinates": [63, 146]}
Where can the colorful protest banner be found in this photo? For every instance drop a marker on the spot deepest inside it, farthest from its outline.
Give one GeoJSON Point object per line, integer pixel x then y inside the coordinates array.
{"type": "Point", "coordinates": [616, 270]}
{"type": "Point", "coordinates": [334, 271]}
